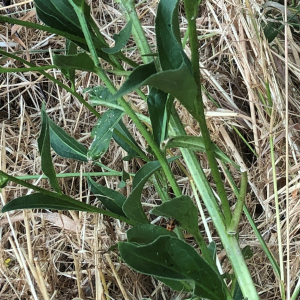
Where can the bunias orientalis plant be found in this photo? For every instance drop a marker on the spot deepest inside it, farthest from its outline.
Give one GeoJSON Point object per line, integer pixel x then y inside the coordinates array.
{"type": "Point", "coordinates": [149, 249]}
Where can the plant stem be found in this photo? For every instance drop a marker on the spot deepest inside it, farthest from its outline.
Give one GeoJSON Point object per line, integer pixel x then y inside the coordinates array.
{"type": "Point", "coordinates": [191, 9]}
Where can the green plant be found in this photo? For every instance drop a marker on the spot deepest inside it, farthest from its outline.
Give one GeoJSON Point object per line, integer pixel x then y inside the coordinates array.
{"type": "Point", "coordinates": [149, 249]}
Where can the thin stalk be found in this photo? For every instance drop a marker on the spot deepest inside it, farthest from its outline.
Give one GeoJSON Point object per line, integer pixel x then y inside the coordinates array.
{"type": "Point", "coordinates": [191, 9]}
{"type": "Point", "coordinates": [62, 196]}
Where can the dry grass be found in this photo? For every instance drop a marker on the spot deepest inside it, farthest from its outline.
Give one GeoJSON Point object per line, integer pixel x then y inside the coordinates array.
{"type": "Point", "coordinates": [45, 255]}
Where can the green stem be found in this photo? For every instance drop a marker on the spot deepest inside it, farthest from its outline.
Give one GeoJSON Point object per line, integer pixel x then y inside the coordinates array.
{"type": "Point", "coordinates": [191, 8]}
{"type": "Point", "coordinates": [62, 196]}
{"type": "Point", "coordinates": [232, 229]}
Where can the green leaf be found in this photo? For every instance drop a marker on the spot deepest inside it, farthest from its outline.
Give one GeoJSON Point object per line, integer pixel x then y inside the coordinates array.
{"type": "Point", "coordinates": [132, 206]}
{"type": "Point", "coordinates": [65, 145]}
{"type": "Point", "coordinates": [42, 201]}
{"type": "Point", "coordinates": [120, 39]}
{"type": "Point", "coordinates": [174, 259]}
{"type": "Point", "coordinates": [45, 151]}
{"type": "Point", "coordinates": [99, 93]}
{"type": "Point", "coordinates": [147, 233]}
{"type": "Point", "coordinates": [212, 247]}
{"type": "Point", "coordinates": [60, 15]}
{"type": "Point", "coordinates": [71, 49]}
{"type": "Point", "coordinates": [81, 61]}
{"type": "Point", "coordinates": [102, 133]}
{"type": "Point", "coordinates": [170, 52]}
{"type": "Point", "coordinates": [179, 83]}
{"type": "Point", "coordinates": [182, 209]}
{"type": "Point", "coordinates": [123, 138]}
{"type": "Point", "coordinates": [3, 181]}
{"type": "Point", "coordinates": [112, 200]}
{"type": "Point", "coordinates": [247, 252]}
{"type": "Point", "coordinates": [125, 176]}
{"type": "Point", "coordinates": [159, 115]}
{"type": "Point", "coordinates": [196, 143]}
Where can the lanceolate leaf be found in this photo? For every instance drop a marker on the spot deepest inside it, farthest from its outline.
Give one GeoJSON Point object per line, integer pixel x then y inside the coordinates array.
{"type": "Point", "coordinates": [39, 201]}
{"type": "Point", "coordinates": [45, 151]}
{"type": "Point", "coordinates": [112, 200]}
{"type": "Point", "coordinates": [196, 143]}
{"type": "Point", "coordinates": [80, 61]}
{"type": "Point", "coordinates": [182, 209]}
{"type": "Point", "coordinates": [65, 145]}
{"type": "Point", "coordinates": [71, 49]}
{"type": "Point", "coordinates": [159, 115]}
{"type": "Point", "coordinates": [102, 133]}
{"type": "Point", "coordinates": [121, 39]}
{"type": "Point", "coordinates": [132, 206]}
{"type": "Point", "coordinates": [147, 233]}
{"type": "Point", "coordinates": [179, 83]}
{"type": "Point", "coordinates": [171, 258]}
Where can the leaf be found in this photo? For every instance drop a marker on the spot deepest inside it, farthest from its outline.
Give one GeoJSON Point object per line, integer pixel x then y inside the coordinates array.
{"type": "Point", "coordinates": [147, 233]}
{"type": "Point", "coordinates": [80, 61]}
{"type": "Point", "coordinates": [42, 201]}
{"type": "Point", "coordinates": [174, 259]}
{"type": "Point", "coordinates": [132, 206]}
{"type": "Point", "coordinates": [213, 250]}
{"type": "Point", "coordinates": [247, 252]}
{"type": "Point", "coordinates": [102, 133]}
{"type": "Point", "coordinates": [120, 39]}
{"type": "Point", "coordinates": [170, 52]}
{"type": "Point", "coordinates": [112, 200]}
{"type": "Point", "coordinates": [60, 14]}
{"type": "Point", "coordinates": [125, 176]}
{"type": "Point", "coordinates": [45, 151]}
{"type": "Point", "coordinates": [159, 115]}
{"type": "Point", "coordinates": [71, 49]}
{"type": "Point", "coordinates": [182, 209]}
{"type": "Point", "coordinates": [99, 93]}
{"type": "Point", "coordinates": [123, 138]}
{"type": "Point", "coordinates": [65, 145]}
{"type": "Point", "coordinates": [179, 83]}
{"type": "Point", "coordinates": [196, 143]}
{"type": "Point", "coordinates": [3, 181]}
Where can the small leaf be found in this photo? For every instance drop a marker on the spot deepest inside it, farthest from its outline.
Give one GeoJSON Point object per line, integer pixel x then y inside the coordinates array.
{"type": "Point", "coordinates": [3, 181]}
{"type": "Point", "coordinates": [112, 200]}
{"type": "Point", "coordinates": [80, 61]}
{"type": "Point", "coordinates": [174, 259]}
{"type": "Point", "coordinates": [159, 115]}
{"type": "Point", "coordinates": [182, 209]}
{"type": "Point", "coordinates": [123, 138]}
{"type": "Point", "coordinates": [196, 143]}
{"type": "Point", "coordinates": [71, 49]}
{"type": "Point", "coordinates": [120, 39]}
{"type": "Point", "coordinates": [102, 133]}
{"type": "Point", "coordinates": [45, 151]}
{"type": "Point", "coordinates": [147, 233]}
{"type": "Point", "coordinates": [99, 93]}
{"type": "Point", "coordinates": [212, 247]}
{"type": "Point", "coordinates": [42, 201]}
{"type": "Point", "coordinates": [65, 145]}
{"type": "Point", "coordinates": [247, 252]}
{"type": "Point", "coordinates": [132, 206]}
{"type": "Point", "coordinates": [125, 177]}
